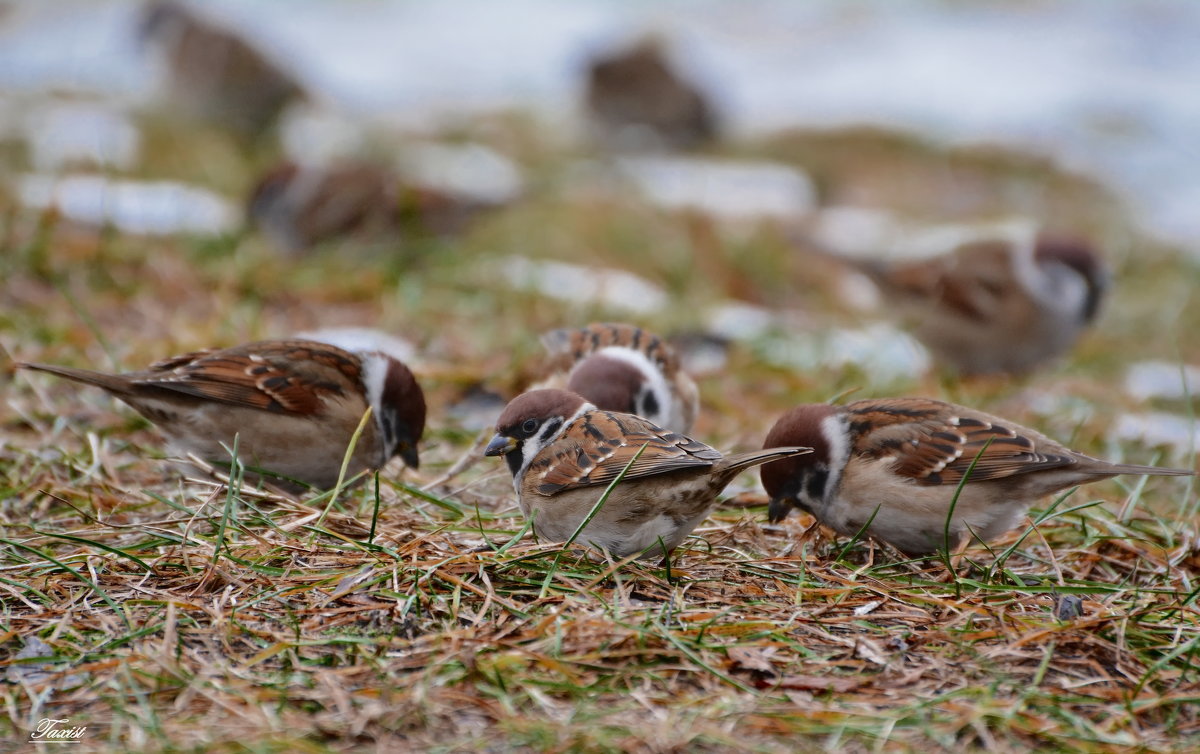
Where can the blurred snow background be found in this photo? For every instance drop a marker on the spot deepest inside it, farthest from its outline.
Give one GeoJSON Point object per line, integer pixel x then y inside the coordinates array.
{"type": "Point", "coordinates": [1106, 88]}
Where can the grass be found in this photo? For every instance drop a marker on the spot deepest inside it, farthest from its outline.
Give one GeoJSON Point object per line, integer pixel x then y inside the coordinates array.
{"type": "Point", "coordinates": [415, 612]}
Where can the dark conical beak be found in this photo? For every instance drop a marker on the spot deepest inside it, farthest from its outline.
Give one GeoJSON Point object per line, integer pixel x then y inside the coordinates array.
{"type": "Point", "coordinates": [500, 445]}
{"type": "Point", "coordinates": [778, 509]}
{"type": "Point", "coordinates": [408, 451]}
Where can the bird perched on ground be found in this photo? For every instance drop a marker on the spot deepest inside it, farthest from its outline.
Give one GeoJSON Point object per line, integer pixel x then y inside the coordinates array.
{"type": "Point", "coordinates": [215, 74]}
{"type": "Point", "coordinates": [300, 206]}
{"type": "Point", "coordinates": [636, 100]}
{"type": "Point", "coordinates": [894, 465]}
{"type": "Point", "coordinates": [994, 305]}
{"type": "Point", "coordinates": [563, 453]}
{"type": "Point", "coordinates": [620, 367]}
{"type": "Point", "coordinates": [293, 406]}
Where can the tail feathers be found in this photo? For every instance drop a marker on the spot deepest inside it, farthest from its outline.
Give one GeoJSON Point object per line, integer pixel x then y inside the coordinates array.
{"type": "Point", "coordinates": [1132, 468]}
{"type": "Point", "coordinates": [112, 383]}
{"type": "Point", "coordinates": [741, 461]}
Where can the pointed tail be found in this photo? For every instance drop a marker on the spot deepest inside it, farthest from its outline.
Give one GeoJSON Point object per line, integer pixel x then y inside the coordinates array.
{"type": "Point", "coordinates": [114, 384]}
{"type": "Point", "coordinates": [1133, 468]}
{"type": "Point", "coordinates": [739, 462]}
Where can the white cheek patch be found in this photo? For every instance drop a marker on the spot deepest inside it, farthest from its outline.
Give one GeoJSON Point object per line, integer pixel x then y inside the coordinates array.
{"type": "Point", "coordinates": [534, 445]}
{"type": "Point", "coordinates": [837, 434]}
{"type": "Point", "coordinates": [375, 369]}
{"type": "Point", "coordinates": [650, 372]}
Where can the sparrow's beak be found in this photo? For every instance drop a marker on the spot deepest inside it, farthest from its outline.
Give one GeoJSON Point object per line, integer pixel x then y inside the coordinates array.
{"type": "Point", "coordinates": [500, 445]}
{"type": "Point", "coordinates": [778, 509]}
{"type": "Point", "coordinates": [408, 451]}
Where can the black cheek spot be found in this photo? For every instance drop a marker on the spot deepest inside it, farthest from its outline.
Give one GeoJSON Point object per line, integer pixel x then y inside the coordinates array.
{"type": "Point", "coordinates": [514, 458]}
{"type": "Point", "coordinates": [548, 430]}
{"type": "Point", "coordinates": [814, 484]}
{"type": "Point", "coordinates": [649, 404]}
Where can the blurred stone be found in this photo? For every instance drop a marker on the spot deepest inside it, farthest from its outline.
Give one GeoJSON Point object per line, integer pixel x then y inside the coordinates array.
{"type": "Point", "coordinates": [1180, 433]}
{"type": "Point", "coordinates": [214, 74]}
{"type": "Point", "coordinates": [80, 134]}
{"type": "Point", "coordinates": [1068, 607]}
{"type": "Point", "coordinates": [730, 190]}
{"type": "Point", "coordinates": [635, 99]}
{"type": "Point", "coordinates": [139, 207]}
{"type": "Point", "coordinates": [1162, 379]}
{"type": "Point", "coordinates": [476, 409]}
{"type": "Point", "coordinates": [584, 285]}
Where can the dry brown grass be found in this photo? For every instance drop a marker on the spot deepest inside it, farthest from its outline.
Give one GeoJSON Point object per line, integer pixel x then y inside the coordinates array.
{"type": "Point", "coordinates": [176, 615]}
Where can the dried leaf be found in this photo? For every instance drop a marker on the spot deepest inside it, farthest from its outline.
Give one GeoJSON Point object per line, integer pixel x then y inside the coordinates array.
{"type": "Point", "coordinates": [839, 684]}
{"type": "Point", "coordinates": [750, 658]}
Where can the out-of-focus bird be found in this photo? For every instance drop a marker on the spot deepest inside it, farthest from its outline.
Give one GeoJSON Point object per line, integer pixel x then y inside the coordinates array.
{"type": "Point", "coordinates": [621, 367]}
{"type": "Point", "coordinates": [213, 73]}
{"type": "Point", "coordinates": [636, 100]}
{"type": "Point", "coordinates": [564, 452]}
{"type": "Point", "coordinates": [298, 207]}
{"type": "Point", "coordinates": [292, 405]}
{"type": "Point", "coordinates": [1006, 304]}
{"type": "Point", "coordinates": [894, 466]}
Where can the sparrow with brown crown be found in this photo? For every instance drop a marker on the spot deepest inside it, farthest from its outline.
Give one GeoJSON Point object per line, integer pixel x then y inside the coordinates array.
{"type": "Point", "coordinates": [564, 452]}
{"type": "Point", "coordinates": [620, 367]}
{"type": "Point", "coordinates": [293, 406]}
{"type": "Point", "coordinates": [894, 466]}
{"type": "Point", "coordinates": [994, 306]}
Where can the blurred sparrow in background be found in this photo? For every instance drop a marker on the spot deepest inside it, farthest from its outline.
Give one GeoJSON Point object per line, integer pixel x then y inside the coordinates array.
{"type": "Point", "coordinates": [619, 367]}
{"type": "Point", "coordinates": [213, 73]}
{"type": "Point", "coordinates": [1001, 304]}
{"type": "Point", "coordinates": [636, 100]}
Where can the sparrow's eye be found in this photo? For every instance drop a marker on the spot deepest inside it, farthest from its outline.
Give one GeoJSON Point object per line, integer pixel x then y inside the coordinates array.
{"type": "Point", "coordinates": [530, 426]}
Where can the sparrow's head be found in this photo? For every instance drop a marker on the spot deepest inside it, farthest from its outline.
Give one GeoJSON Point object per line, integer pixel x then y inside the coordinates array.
{"type": "Point", "coordinates": [613, 384]}
{"type": "Point", "coordinates": [398, 403]}
{"type": "Point", "coordinates": [804, 481]}
{"type": "Point", "coordinates": [530, 422]}
{"type": "Point", "coordinates": [1079, 256]}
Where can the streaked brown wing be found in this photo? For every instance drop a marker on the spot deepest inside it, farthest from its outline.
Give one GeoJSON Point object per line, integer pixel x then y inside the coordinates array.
{"type": "Point", "coordinates": [567, 347]}
{"type": "Point", "coordinates": [280, 376]}
{"type": "Point", "coordinates": [596, 452]}
{"type": "Point", "coordinates": [935, 443]}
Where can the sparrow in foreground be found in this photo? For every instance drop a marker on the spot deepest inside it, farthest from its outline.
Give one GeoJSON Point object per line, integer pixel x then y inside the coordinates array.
{"type": "Point", "coordinates": [894, 465]}
{"type": "Point", "coordinates": [995, 305]}
{"type": "Point", "coordinates": [292, 404]}
{"type": "Point", "coordinates": [563, 453]}
{"type": "Point", "coordinates": [619, 367]}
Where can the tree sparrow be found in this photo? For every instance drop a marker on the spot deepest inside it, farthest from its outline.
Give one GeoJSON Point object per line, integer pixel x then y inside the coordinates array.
{"type": "Point", "coordinates": [300, 206]}
{"type": "Point", "coordinates": [214, 73]}
{"type": "Point", "coordinates": [292, 404]}
{"type": "Point", "coordinates": [636, 100]}
{"type": "Point", "coordinates": [995, 305]}
{"type": "Point", "coordinates": [564, 452]}
{"type": "Point", "coordinates": [619, 367]}
{"type": "Point", "coordinates": [897, 464]}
